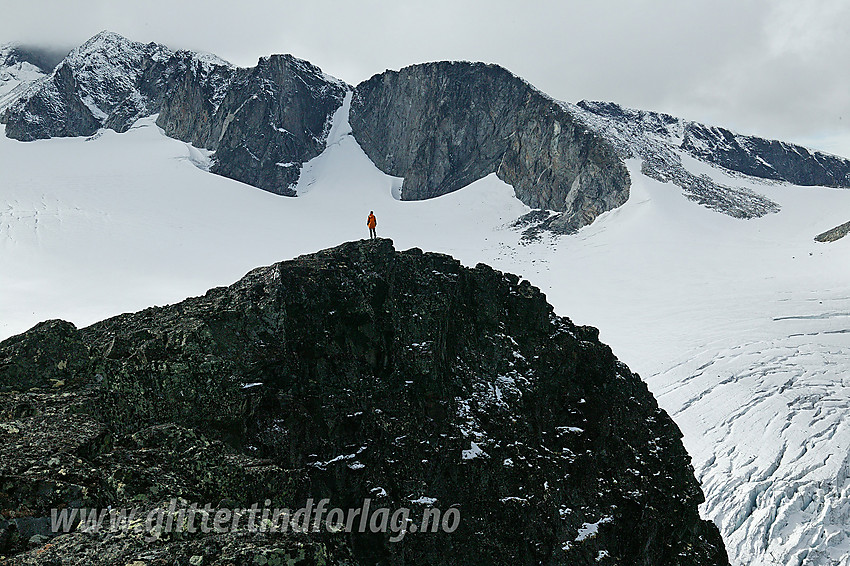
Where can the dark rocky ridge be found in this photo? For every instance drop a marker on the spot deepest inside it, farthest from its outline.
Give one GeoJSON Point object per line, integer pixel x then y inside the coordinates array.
{"type": "Point", "coordinates": [654, 139]}
{"type": "Point", "coordinates": [264, 122]}
{"type": "Point", "coordinates": [444, 125]}
{"type": "Point", "coordinates": [749, 155]}
{"type": "Point", "coordinates": [374, 371]}
{"type": "Point", "coordinates": [834, 234]}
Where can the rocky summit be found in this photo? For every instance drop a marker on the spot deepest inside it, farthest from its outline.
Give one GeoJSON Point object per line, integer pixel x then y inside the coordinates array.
{"type": "Point", "coordinates": [444, 125]}
{"type": "Point", "coordinates": [355, 373]}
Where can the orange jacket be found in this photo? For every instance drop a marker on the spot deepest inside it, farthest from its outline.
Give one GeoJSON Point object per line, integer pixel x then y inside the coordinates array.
{"type": "Point", "coordinates": [371, 222]}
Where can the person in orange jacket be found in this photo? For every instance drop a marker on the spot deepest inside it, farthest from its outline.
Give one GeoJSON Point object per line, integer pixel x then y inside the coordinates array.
{"type": "Point", "coordinates": [371, 222]}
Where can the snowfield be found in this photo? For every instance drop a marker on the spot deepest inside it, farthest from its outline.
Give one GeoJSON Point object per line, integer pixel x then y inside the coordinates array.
{"type": "Point", "coordinates": [740, 327]}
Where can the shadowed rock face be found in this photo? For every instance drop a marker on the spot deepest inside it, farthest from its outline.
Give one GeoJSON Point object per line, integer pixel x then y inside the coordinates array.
{"type": "Point", "coordinates": [443, 125]}
{"type": "Point", "coordinates": [272, 119]}
{"type": "Point", "coordinates": [357, 372]}
{"type": "Point", "coordinates": [109, 81]}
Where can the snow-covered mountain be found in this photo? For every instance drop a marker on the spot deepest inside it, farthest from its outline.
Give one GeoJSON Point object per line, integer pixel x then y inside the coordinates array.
{"type": "Point", "coordinates": [21, 67]}
{"type": "Point", "coordinates": [734, 315]}
{"type": "Point", "coordinates": [440, 126]}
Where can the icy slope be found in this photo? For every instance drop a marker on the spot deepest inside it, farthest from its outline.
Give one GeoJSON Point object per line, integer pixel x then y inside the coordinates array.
{"type": "Point", "coordinates": [740, 327]}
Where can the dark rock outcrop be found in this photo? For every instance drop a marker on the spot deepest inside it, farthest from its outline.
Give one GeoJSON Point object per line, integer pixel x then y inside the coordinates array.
{"type": "Point", "coordinates": [444, 125]}
{"type": "Point", "coordinates": [357, 372]}
{"type": "Point", "coordinates": [263, 123]}
{"type": "Point", "coordinates": [834, 234]}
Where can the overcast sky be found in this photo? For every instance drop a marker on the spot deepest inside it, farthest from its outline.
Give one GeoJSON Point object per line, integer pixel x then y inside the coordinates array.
{"type": "Point", "coordinates": [776, 68]}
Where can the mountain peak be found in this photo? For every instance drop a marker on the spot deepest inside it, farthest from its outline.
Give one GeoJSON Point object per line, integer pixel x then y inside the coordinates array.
{"type": "Point", "coordinates": [112, 47]}
{"type": "Point", "coordinates": [105, 37]}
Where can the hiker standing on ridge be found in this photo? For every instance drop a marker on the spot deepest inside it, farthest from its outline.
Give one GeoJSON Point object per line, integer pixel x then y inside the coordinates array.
{"type": "Point", "coordinates": [371, 222]}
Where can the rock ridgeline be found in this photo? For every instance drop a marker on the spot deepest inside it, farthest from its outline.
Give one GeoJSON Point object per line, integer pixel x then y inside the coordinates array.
{"type": "Point", "coordinates": [444, 125]}
{"type": "Point", "coordinates": [653, 138]}
{"type": "Point", "coordinates": [357, 372]}
{"type": "Point", "coordinates": [440, 126]}
{"type": "Point", "coordinates": [834, 234]}
{"type": "Point", "coordinates": [263, 122]}
{"type": "Point", "coordinates": [108, 82]}
{"type": "Point", "coordinates": [660, 140]}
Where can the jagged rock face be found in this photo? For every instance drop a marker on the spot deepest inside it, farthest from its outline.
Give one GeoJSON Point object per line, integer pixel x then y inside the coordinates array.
{"type": "Point", "coordinates": [757, 157]}
{"type": "Point", "coordinates": [189, 109]}
{"type": "Point", "coordinates": [264, 122]}
{"type": "Point", "coordinates": [834, 234]}
{"type": "Point", "coordinates": [109, 81]}
{"type": "Point", "coordinates": [443, 125]}
{"type": "Point", "coordinates": [351, 373]}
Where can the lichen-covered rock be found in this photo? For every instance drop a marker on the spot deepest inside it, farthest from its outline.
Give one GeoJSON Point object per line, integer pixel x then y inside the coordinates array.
{"type": "Point", "coordinates": [444, 125]}
{"type": "Point", "coordinates": [50, 353]}
{"type": "Point", "coordinates": [362, 372]}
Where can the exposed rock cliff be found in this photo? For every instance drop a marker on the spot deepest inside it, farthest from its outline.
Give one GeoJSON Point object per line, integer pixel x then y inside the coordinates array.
{"type": "Point", "coordinates": [263, 122]}
{"type": "Point", "coordinates": [443, 125]}
{"type": "Point", "coordinates": [109, 81]}
{"type": "Point", "coordinates": [355, 372]}
{"type": "Point", "coordinates": [834, 234]}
